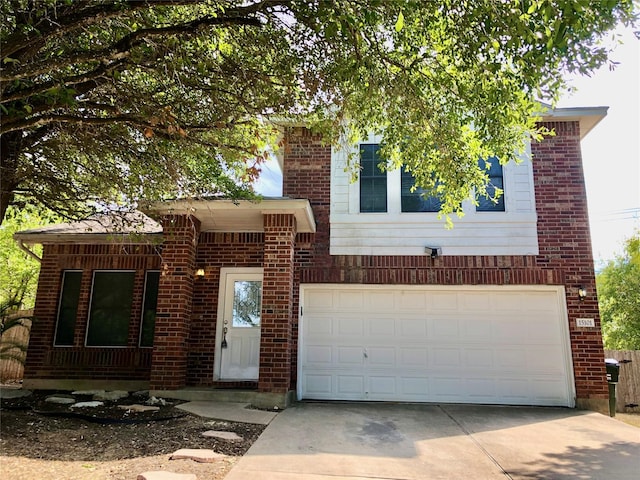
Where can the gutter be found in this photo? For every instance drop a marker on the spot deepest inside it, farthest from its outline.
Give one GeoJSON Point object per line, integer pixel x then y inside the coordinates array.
{"type": "Point", "coordinates": [24, 248]}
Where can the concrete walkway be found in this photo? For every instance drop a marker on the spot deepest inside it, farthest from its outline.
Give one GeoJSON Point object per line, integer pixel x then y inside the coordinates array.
{"type": "Point", "coordinates": [229, 411]}
{"type": "Point", "coordinates": [317, 441]}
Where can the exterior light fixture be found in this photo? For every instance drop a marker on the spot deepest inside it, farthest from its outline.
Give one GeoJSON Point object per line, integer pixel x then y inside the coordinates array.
{"type": "Point", "coordinates": [200, 273]}
{"type": "Point", "coordinates": [433, 252]}
{"type": "Point", "coordinates": [582, 292]}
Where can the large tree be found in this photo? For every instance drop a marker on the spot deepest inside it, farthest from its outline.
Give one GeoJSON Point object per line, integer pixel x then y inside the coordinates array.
{"type": "Point", "coordinates": [619, 298]}
{"type": "Point", "coordinates": [107, 102]}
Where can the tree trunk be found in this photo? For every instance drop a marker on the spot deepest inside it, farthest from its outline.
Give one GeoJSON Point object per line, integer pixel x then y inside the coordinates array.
{"type": "Point", "coordinates": [9, 155]}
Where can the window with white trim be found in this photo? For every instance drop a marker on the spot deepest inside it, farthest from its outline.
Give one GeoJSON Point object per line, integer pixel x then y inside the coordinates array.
{"type": "Point", "coordinates": [496, 182]}
{"type": "Point", "coordinates": [418, 200]}
{"type": "Point", "coordinates": [373, 180]}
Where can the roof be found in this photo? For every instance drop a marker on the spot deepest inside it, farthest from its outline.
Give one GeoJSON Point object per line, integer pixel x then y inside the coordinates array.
{"type": "Point", "coordinates": [224, 215]}
{"type": "Point", "coordinates": [588, 117]}
{"type": "Point", "coordinates": [215, 215]}
{"type": "Point", "coordinates": [135, 227]}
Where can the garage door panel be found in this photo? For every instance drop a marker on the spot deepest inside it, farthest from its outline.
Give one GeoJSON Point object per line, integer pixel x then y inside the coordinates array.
{"type": "Point", "coordinates": [413, 328]}
{"type": "Point", "coordinates": [381, 357]}
{"type": "Point", "coordinates": [319, 384]}
{"type": "Point", "coordinates": [444, 328]}
{"type": "Point", "coordinates": [319, 300]}
{"type": "Point", "coordinates": [384, 326]}
{"type": "Point", "coordinates": [479, 358]}
{"type": "Point", "coordinates": [443, 302]}
{"type": "Point", "coordinates": [349, 326]}
{"type": "Point", "coordinates": [351, 300]}
{"type": "Point", "coordinates": [413, 358]}
{"type": "Point", "coordinates": [380, 385]}
{"type": "Point", "coordinates": [431, 344]}
{"type": "Point", "coordinates": [381, 301]}
{"type": "Point", "coordinates": [319, 355]}
{"type": "Point", "coordinates": [414, 387]}
{"type": "Point", "coordinates": [446, 358]}
{"type": "Point", "coordinates": [350, 355]}
{"type": "Point", "coordinates": [350, 385]}
{"type": "Point", "coordinates": [411, 301]}
{"type": "Point", "coordinates": [319, 325]}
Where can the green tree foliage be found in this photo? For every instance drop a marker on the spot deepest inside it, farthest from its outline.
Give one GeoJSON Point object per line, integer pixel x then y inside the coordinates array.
{"type": "Point", "coordinates": [619, 298]}
{"type": "Point", "coordinates": [117, 101]}
{"type": "Point", "coordinates": [18, 270]}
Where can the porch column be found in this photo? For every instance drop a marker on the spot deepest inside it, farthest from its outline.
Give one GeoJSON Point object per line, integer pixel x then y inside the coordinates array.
{"type": "Point", "coordinates": [175, 295]}
{"type": "Point", "coordinates": [277, 302]}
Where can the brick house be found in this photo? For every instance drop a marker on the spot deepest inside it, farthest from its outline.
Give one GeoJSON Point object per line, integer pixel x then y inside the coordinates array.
{"type": "Point", "coordinates": [338, 290]}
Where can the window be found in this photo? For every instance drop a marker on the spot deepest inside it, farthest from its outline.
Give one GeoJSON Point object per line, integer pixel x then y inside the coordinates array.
{"type": "Point", "coordinates": [496, 181]}
{"type": "Point", "coordinates": [373, 181]}
{"type": "Point", "coordinates": [420, 200]}
{"type": "Point", "coordinates": [148, 323]}
{"type": "Point", "coordinates": [110, 311]}
{"type": "Point", "coordinates": [68, 308]}
{"type": "Point", "coordinates": [247, 303]}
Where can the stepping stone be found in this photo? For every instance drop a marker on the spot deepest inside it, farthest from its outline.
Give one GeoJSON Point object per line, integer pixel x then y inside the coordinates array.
{"type": "Point", "coordinates": [139, 408]}
{"type": "Point", "coordinates": [158, 475]}
{"type": "Point", "coordinates": [87, 392]}
{"type": "Point", "coordinates": [14, 393]}
{"type": "Point", "coordinates": [231, 436]}
{"type": "Point", "coordinates": [61, 399]}
{"type": "Point", "coordinates": [93, 404]}
{"type": "Point", "coordinates": [111, 396]}
{"type": "Point", "coordinates": [200, 455]}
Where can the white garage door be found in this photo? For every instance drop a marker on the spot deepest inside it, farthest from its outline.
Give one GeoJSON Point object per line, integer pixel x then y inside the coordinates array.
{"type": "Point", "coordinates": [500, 345]}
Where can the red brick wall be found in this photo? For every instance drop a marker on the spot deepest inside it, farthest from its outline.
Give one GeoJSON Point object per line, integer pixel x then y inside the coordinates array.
{"type": "Point", "coordinates": [215, 250]}
{"type": "Point", "coordinates": [277, 302]}
{"type": "Point", "coordinates": [565, 249]}
{"type": "Point", "coordinates": [44, 361]}
{"type": "Point", "coordinates": [175, 298]}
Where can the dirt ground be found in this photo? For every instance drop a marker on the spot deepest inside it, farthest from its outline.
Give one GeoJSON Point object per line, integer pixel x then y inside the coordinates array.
{"type": "Point", "coordinates": [630, 418]}
{"type": "Point", "coordinates": [44, 441]}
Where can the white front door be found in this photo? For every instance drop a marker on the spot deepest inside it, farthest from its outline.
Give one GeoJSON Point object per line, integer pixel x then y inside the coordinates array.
{"type": "Point", "coordinates": [239, 312]}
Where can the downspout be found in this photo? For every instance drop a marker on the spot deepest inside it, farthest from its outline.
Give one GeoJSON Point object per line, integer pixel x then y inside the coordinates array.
{"type": "Point", "coordinates": [29, 252]}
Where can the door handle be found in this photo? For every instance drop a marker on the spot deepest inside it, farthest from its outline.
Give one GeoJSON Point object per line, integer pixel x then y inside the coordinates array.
{"type": "Point", "coordinates": [364, 352]}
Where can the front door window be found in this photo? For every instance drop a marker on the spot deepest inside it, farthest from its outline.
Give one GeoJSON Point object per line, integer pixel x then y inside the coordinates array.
{"type": "Point", "coordinates": [238, 337]}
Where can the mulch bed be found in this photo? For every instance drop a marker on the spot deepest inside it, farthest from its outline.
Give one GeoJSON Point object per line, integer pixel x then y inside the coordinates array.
{"type": "Point", "coordinates": [34, 429]}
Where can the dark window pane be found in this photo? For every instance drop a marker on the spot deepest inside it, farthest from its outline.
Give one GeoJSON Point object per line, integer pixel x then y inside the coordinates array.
{"type": "Point", "coordinates": [68, 308]}
{"type": "Point", "coordinates": [149, 309]}
{"type": "Point", "coordinates": [373, 181]}
{"type": "Point", "coordinates": [419, 200]}
{"type": "Point", "coordinates": [110, 312]}
{"type": "Point", "coordinates": [496, 180]}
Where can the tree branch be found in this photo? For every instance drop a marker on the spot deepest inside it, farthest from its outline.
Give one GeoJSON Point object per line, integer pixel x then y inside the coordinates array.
{"type": "Point", "coordinates": [75, 19]}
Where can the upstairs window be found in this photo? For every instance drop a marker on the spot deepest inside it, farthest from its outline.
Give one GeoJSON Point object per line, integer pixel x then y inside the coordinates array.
{"type": "Point", "coordinates": [110, 311]}
{"type": "Point", "coordinates": [148, 326]}
{"type": "Point", "coordinates": [420, 200]}
{"type": "Point", "coordinates": [496, 181]}
{"type": "Point", "coordinates": [373, 181]}
{"type": "Point", "coordinates": [68, 308]}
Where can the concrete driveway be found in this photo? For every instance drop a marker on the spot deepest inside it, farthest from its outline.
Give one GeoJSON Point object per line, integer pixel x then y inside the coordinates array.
{"type": "Point", "coordinates": [318, 441]}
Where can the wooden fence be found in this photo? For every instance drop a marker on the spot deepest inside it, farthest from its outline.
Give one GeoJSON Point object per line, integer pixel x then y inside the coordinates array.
{"type": "Point", "coordinates": [12, 370]}
{"type": "Point", "coordinates": [628, 389]}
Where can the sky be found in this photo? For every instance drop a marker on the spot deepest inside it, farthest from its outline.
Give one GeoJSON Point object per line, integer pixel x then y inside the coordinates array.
{"type": "Point", "coordinates": [610, 152]}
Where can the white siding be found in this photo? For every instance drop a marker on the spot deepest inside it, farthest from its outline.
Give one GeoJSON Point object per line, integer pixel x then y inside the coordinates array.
{"type": "Point", "coordinates": [512, 232]}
